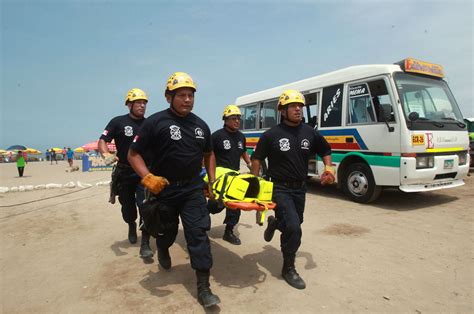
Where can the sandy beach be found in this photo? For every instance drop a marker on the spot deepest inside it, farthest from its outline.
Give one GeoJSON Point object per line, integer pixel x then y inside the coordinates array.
{"type": "Point", "coordinates": [65, 250]}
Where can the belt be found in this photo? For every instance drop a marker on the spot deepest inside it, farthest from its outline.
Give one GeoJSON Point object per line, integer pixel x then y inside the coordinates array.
{"type": "Point", "coordinates": [123, 166]}
{"type": "Point", "coordinates": [289, 184]}
{"type": "Point", "coordinates": [181, 182]}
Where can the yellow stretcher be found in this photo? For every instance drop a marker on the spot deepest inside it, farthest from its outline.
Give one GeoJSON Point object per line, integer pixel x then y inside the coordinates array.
{"type": "Point", "coordinates": [243, 191]}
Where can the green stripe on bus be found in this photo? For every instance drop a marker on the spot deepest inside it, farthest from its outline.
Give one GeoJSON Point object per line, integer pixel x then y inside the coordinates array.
{"type": "Point", "coordinates": [372, 160]}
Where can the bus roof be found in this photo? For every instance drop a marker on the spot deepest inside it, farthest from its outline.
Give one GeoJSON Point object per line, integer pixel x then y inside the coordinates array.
{"type": "Point", "coordinates": [331, 78]}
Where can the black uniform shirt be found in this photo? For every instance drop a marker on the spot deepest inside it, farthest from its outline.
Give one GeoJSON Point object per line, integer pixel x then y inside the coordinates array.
{"type": "Point", "coordinates": [228, 148]}
{"type": "Point", "coordinates": [175, 144]}
{"type": "Point", "coordinates": [288, 150]}
{"type": "Point", "coordinates": [122, 129]}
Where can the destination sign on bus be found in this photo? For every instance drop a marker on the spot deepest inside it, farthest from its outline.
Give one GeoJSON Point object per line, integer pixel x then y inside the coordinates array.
{"type": "Point", "coordinates": [421, 67]}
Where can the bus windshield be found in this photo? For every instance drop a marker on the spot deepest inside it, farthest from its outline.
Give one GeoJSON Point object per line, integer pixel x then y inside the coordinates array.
{"type": "Point", "coordinates": [431, 100]}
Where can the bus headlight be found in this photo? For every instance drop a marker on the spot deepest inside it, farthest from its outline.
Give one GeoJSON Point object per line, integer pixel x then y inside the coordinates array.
{"type": "Point", "coordinates": [423, 162]}
{"type": "Point", "coordinates": [462, 158]}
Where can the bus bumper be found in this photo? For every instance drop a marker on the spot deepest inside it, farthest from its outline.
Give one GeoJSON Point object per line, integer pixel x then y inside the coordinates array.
{"type": "Point", "coordinates": [441, 184]}
{"type": "Point", "coordinates": [446, 173]}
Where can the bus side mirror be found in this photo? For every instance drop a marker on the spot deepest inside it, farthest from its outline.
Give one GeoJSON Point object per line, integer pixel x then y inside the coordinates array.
{"type": "Point", "coordinates": [413, 116]}
{"type": "Point", "coordinates": [386, 115]}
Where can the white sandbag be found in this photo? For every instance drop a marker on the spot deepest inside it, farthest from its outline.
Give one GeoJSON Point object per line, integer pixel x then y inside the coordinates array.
{"type": "Point", "coordinates": [4, 189]}
{"type": "Point", "coordinates": [83, 185]}
{"type": "Point", "coordinates": [40, 187]}
{"type": "Point", "coordinates": [14, 189]}
{"type": "Point", "coordinates": [69, 185]}
{"type": "Point", "coordinates": [53, 186]}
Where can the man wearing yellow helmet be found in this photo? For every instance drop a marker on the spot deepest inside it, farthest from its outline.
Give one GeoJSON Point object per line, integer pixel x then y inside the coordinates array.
{"type": "Point", "coordinates": [229, 146]}
{"type": "Point", "coordinates": [178, 140]}
{"type": "Point", "coordinates": [122, 129]}
{"type": "Point", "coordinates": [288, 147]}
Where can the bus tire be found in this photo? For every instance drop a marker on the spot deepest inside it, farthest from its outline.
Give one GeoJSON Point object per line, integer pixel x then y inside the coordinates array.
{"type": "Point", "coordinates": [359, 185]}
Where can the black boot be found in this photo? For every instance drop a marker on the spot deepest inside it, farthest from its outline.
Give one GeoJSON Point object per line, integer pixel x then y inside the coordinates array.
{"type": "Point", "coordinates": [145, 250]}
{"type": "Point", "coordinates": [164, 258]}
{"type": "Point", "coordinates": [271, 227]}
{"type": "Point", "coordinates": [230, 237]}
{"type": "Point", "coordinates": [204, 293]}
{"type": "Point", "coordinates": [290, 275]}
{"type": "Point", "coordinates": [132, 232]}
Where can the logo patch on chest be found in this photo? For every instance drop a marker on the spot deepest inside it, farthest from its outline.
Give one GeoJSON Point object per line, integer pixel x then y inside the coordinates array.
{"type": "Point", "coordinates": [128, 130]}
{"type": "Point", "coordinates": [175, 132]}
{"type": "Point", "coordinates": [305, 144]}
{"type": "Point", "coordinates": [226, 144]}
{"type": "Point", "coordinates": [199, 133]}
{"type": "Point", "coordinates": [284, 144]}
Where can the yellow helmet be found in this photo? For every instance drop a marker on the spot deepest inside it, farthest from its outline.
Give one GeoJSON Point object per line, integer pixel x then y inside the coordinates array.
{"type": "Point", "coordinates": [178, 80]}
{"type": "Point", "coordinates": [290, 96]}
{"type": "Point", "coordinates": [231, 110]}
{"type": "Point", "coordinates": [135, 94]}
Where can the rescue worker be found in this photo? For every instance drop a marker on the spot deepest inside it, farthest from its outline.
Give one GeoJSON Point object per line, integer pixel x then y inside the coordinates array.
{"type": "Point", "coordinates": [178, 140]}
{"type": "Point", "coordinates": [288, 146]}
{"type": "Point", "coordinates": [229, 146]}
{"type": "Point", "coordinates": [122, 129]}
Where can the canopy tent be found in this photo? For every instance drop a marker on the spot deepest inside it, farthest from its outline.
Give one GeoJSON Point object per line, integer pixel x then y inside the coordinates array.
{"type": "Point", "coordinates": [17, 147]}
{"type": "Point", "coordinates": [95, 146]}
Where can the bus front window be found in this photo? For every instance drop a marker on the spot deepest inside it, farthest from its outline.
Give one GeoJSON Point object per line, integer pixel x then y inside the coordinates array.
{"type": "Point", "coordinates": [430, 98]}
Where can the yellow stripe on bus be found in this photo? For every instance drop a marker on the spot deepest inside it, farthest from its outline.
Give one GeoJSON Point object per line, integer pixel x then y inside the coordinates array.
{"type": "Point", "coordinates": [444, 150]}
{"type": "Point", "coordinates": [340, 139]}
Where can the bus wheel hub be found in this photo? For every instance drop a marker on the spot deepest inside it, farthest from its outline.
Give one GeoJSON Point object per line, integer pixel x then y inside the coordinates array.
{"type": "Point", "coordinates": [358, 183]}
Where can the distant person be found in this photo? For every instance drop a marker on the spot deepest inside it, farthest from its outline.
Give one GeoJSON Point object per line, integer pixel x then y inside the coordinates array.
{"type": "Point", "coordinates": [64, 153]}
{"type": "Point", "coordinates": [48, 155]}
{"type": "Point", "coordinates": [20, 163]}
{"type": "Point", "coordinates": [229, 146]}
{"type": "Point", "coordinates": [53, 156]}
{"type": "Point", "coordinates": [70, 156]}
{"type": "Point", "coordinates": [25, 156]}
{"type": "Point", "coordinates": [125, 182]}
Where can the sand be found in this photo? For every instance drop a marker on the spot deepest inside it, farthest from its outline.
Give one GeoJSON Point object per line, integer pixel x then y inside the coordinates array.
{"type": "Point", "coordinates": [66, 250]}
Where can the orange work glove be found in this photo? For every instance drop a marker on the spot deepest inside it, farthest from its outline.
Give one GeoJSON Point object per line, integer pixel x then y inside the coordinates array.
{"type": "Point", "coordinates": [328, 176]}
{"type": "Point", "coordinates": [155, 184]}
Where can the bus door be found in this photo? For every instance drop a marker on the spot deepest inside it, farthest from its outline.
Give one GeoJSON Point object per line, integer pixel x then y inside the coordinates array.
{"type": "Point", "coordinates": [312, 100]}
{"type": "Point", "coordinates": [361, 128]}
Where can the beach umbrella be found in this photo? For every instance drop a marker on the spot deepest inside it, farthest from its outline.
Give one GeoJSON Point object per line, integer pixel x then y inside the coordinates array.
{"type": "Point", "coordinates": [2, 151]}
{"type": "Point", "coordinates": [57, 149]}
{"type": "Point", "coordinates": [32, 151]}
{"type": "Point", "coordinates": [17, 147]}
{"type": "Point", "coordinates": [95, 146]}
{"type": "Point", "coordinates": [91, 146]}
{"type": "Point", "coordinates": [79, 150]}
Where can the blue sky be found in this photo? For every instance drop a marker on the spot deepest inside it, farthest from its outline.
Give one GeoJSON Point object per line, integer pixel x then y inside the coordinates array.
{"type": "Point", "coordinates": [67, 65]}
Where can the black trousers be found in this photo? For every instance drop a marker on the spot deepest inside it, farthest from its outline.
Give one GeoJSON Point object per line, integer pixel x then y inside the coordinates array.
{"type": "Point", "coordinates": [130, 195]}
{"type": "Point", "coordinates": [232, 217]}
{"type": "Point", "coordinates": [190, 205]}
{"type": "Point", "coordinates": [20, 171]}
{"type": "Point", "coordinates": [289, 212]}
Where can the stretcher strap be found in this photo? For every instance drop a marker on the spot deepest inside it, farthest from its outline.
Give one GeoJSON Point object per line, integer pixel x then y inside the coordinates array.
{"type": "Point", "coordinates": [264, 212]}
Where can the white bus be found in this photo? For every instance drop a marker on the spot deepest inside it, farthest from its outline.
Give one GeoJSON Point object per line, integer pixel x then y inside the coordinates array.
{"type": "Point", "coordinates": [390, 125]}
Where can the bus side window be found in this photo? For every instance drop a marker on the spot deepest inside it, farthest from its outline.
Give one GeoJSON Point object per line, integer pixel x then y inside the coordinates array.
{"type": "Point", "coordinates": [381, 100]}
{"type": "Point", "coordinates": [268, 114]}
{"type": "Point", "coordinates": [360, 111]}
{"type": "Point", "coordinates": [249, 119]}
